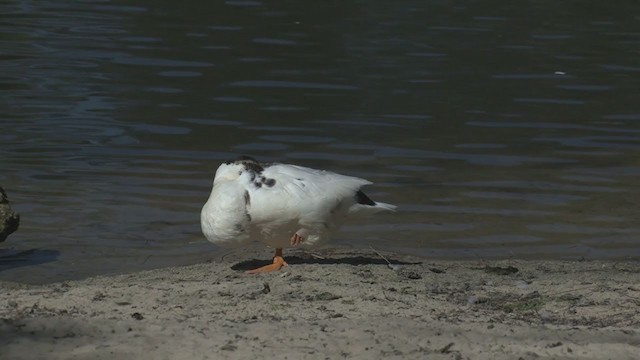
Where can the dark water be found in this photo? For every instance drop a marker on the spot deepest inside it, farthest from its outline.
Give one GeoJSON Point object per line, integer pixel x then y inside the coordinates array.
{"type": "Point", "coordinates": [500, 129]}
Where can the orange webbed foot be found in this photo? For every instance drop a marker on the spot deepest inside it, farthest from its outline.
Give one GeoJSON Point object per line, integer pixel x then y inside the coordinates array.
{"type": "Point", "coordinates": [278, 263]}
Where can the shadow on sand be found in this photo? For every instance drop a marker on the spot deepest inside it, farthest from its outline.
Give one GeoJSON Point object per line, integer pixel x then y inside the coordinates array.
{"type": "Point", "coordinates": [295, 260]}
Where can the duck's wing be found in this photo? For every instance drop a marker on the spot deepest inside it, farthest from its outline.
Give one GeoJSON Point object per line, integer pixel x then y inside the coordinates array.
{"type": "Point", "coordinates": [325, 186]}
{"type": "Point", "coordinates": [288, 192]}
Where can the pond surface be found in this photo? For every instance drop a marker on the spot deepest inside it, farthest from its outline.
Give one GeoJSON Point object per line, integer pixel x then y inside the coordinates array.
{"type": "Point", "coordinates": [499, 129]}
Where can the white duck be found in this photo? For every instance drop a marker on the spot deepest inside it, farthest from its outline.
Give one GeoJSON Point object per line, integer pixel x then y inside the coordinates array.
{"type": "Point", "coordinates": [281, 205]}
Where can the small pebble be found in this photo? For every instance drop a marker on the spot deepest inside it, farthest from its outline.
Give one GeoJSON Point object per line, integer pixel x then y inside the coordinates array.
{"type": "Point", "coordinates": [229, 347]}
{"type": "Point", "coordinates": [266, 289]}
{"type": "Point", "coordinates": [395, 267]}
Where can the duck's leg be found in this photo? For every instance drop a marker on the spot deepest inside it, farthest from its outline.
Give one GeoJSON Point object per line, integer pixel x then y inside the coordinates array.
{"type": "Point", "coordinates": [298, 237]}
{"type": "Point", "coordinates": [278, 263]}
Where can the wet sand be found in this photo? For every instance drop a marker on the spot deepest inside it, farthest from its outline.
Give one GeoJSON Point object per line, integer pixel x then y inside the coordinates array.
{"type": "Point", "coordinates": [333, 304]}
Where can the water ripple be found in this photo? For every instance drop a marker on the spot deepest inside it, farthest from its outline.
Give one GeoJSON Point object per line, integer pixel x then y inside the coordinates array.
{"type": "Point", "coordinates": [292, 85]}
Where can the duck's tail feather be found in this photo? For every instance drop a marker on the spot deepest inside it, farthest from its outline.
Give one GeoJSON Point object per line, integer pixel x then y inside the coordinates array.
{"type": "Point", "coordinates": [357, 209]}
{"type": "Point", "coordinates": [385, 207]}
{"type": "Point", "coordinates": [365, 205]}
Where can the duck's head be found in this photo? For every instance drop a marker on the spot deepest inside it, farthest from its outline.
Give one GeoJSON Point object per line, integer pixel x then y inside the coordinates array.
{"type": "Point", "coordinates": [233, 169]}
{"type": "Point", "coordinates": [228, 171]}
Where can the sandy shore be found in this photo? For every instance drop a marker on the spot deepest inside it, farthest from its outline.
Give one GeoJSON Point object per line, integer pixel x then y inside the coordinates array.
{"type": "Point", "coordinates": [333, 304]}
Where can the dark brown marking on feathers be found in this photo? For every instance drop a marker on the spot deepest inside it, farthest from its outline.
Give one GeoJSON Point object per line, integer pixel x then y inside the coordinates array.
{"type": "Point", "coordinates": [263, 180]}
{"type": "Point", "coordinates": [362, 198]}
{"type": "Point", "coordinates": [241, 158]}
{"type": "Point", "coordinates": [247, 203]}
{"type": "Point", "coordinates": [252, 166]}
{"type": "Point", "coordinates": [248, 162]}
